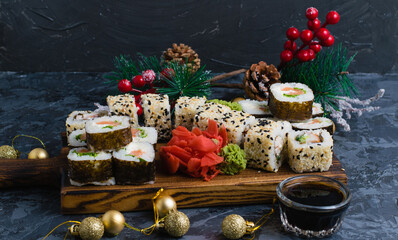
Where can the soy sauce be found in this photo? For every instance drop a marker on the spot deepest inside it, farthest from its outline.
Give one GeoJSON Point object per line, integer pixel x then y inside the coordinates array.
{"type": "Point", "coordinates": [313, 194]}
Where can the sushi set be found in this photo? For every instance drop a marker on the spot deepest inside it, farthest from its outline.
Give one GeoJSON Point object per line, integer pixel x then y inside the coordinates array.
{"type": "Point", "coordinates": [114, 163]}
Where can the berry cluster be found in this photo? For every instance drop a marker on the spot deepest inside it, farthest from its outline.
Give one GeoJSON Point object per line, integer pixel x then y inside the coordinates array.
{"type": "Point", "coordinates": [146, 78]}
{"type": "Point", "coordinates": [307, 35]}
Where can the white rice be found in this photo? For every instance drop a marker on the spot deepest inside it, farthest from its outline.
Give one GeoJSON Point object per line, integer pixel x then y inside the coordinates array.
{"type": "Point", "coordinates": [148, 152]}
{"type": "Point", "coordinates": [278, 93]}
{"type": "Point", "coordinates": [75, 138]}
{"type": "Point", "coordinates": [93, 127]}
{"type": "Point", "coordinates": [308, 124]}
{"type": "Point", "coordinates": [145, 134]}
{"type": "Point", "coordinates": [254, 107]}
{"type": "Point", "coordinates": [101, 155]}
{"type": "Point", "coordinates": [317, 109]}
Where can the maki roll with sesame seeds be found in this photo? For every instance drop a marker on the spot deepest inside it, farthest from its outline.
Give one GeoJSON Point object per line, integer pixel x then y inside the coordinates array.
{"type": "Point", "coordinates": [291, 101]}
{"type": "Point", "coordinates": [107, 133]}
{"type": "Point", "coordinates": [315, 123]}
{"type": "Point", "coordinates": [77, 119]}
{"type": "Point", "coordinates": [144, 134]}
{"type": "Point", "coordinates": [317, 110]}
{"type": "Point", "coordinates": [156, 110]}
{"type": "Point", "coordinates": [264, 146]}
{"type": "Point", "coordinates": [89, 167]}
{"type": "Point", "coordinates": [310, 150]}
{"type": "Point", "coordinates": [134, 164]}
{"type": "Point", "coordinates": [207, 111]}
{"type": "Point", "coordinates": [77, 138]}
{"type": "Point", "coordinates": [185, 110]}
{"type": "Point", "coordinates": [124, 105]}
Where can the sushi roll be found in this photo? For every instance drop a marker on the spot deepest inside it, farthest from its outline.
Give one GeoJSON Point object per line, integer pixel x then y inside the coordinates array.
{"type": "Point", "coordinates": [264, 147]}
{"type": "Point", "coordinates": [209, 110]}
{"type": "Point", "coordinates": [236, 124]}
{"type": "Point", "coordinates": [291, 101]}
{"type": "Point", "coordinates": [317, 110]}
{"type": "Point", "coordinates": [88, 167]}
{"type": "Point", "coordinates": [77, 119]}
{"type": "Point", "coordinates": [156, 110]}
{"type": "Point", "coordinates": [124, 105]}
{"type": "Point", "coordinates": [315, 123]}
{"type": "Point", "coordinates": [185, 110]}
{"type": "Point", "coordinates": [107, 133]}
{"type": "Point", "coordinates": [77, 138]}
{"type": "Point", "coordinates": [144, 134]}
{"type": "Point", "coordinates": [134, 164]}
{"type": "Point", "coordinates": [255, 108]}
{"type": "Point", "coordinates": [310, 150]}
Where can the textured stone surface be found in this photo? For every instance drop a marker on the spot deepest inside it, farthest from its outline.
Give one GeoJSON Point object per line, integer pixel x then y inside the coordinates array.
{"type": "Point", "coordinates": [38, 103]}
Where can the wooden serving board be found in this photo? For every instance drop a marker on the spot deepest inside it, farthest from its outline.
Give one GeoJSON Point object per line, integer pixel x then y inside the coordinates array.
{"type": "Point", "coordinates": [249, 187]}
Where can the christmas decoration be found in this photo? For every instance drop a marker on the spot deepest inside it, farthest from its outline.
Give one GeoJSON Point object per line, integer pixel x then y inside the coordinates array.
{"type": "Point", "coordinates": [307, 36]}
{"type": "Point", "coordinates": [185, 82]}
{"type": "Point", "coordinates": [149, 76]}
{"type": "Point", "coordinates": [182, 54]}
{"type": "Point", "coordinates": [38, 153]}
{"type": "Point", "coordinates": [138, 81]}
{"type": "Point", "coordinates": [9, 152]}
{"type": "Point", "coordinates": [235, 226]}
{"type": "Point", "coordinates": [139, 112]}
{"type": "Point", "coordinates": [165, 204]}
{"type": "Point", "coordinates": [113, 222]}
{"type": "Point", "coordinates": [258, 79]}
{"type": "Point", "coordinates": [176, 224]}
{"type": "Point", "coordinates": [124, 86]}
{"type": "Point", "coordinates": [91, 228]}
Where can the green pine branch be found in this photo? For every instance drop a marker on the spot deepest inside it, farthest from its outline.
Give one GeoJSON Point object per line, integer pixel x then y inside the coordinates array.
{"type": "Point", "coordinates": [326, 75]}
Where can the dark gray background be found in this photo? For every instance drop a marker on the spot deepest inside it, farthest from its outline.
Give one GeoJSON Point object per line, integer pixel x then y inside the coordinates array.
{"type": "Point", "coordinates": [56, 35]}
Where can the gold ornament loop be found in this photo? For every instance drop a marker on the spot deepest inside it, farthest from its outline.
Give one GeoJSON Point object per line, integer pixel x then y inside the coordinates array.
{"type": "Point", "coordinates": [148, 231]}
{"type": "Point", "coordinates": [23, 135]}
{"type": "Point", "coordinates": [251, 229]}
{"type": "Point", "coordinates": [77, 222]}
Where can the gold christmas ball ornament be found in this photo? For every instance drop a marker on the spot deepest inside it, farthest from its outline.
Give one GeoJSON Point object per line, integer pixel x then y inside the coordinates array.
{"type": "Point", "coordinates": [113, 222]}
{"type": "Point", "coordinates": [91, 228]}
{"type": "Point", "coordinates": [238, 99]}
{"type": "Point", "coordinates": [165, 204]}
{"type": "Point", "coordinates": [38, 153]}
{"type": "Point", "coordinates": [176, 224]}
{"type": "Point", "coordinates": [234, 226]}
{"type": "Point", "coordinates": [9, 152]}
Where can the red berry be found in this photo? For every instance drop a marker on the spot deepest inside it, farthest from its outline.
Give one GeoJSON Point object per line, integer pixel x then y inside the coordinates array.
{"type": "Point", "coordinates": [311, 54]}
{"type": "Point", "coordinates": [137, 98]}
{"type": "Point", "coordinates": [292, 33]}
{"type": "Point", "coordinates": [286, 56]}
{"type": "Point", "coordinates": [139, 111]}
{"type": "Point", "coordinates": [124, 86]}
{"type": "Point", "coordinates": [138, 81]}
{"type": "Point", "coordinates": [328, 42]}
{"type": "Point", "coordinates": [149, 76]}
{"type": "Point", "coordinates": [311, 13]}
{"type": "Point", "coordinates": [316, 47]}
{"type": "Point", "coordinates": [306, 36]}
{"type": "Point", "coordinates": [303, 55]}
{"type": "Point", "coordinates": [322, 34]}
{"type": "Point", "coordinates": [289, 45]}
{"type": "Point", "coordinates": [168, 73]}
{"type": "Point", "coordinates": [332, 17]}
{"type": "Point", "coordinates": [314, 24]}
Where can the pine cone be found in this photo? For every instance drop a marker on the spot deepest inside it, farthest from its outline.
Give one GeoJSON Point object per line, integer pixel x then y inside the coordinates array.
{"type": "Point", "coordinates": [182, 54]}
{"type": "Point", "coordinates": [258, 79]}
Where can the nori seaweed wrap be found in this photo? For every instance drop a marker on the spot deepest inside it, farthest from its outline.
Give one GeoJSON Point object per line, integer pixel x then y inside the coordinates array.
{"type": "Point", "coordinates": [134, 164]}
{"type": "Point", "coordinates": [88, 167]}
{"type": "Point", "coordinates": [107, 133]}
{"type": "Point", "coordinates": [291, 101]}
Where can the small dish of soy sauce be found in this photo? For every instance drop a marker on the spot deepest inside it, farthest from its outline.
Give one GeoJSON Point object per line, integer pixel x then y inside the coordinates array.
{"type": "Point", "coordinates": [312, 205]}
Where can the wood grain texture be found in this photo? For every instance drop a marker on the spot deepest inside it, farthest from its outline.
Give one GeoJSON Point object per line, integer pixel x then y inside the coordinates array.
{"type": "Point", "coordinates": [249, 187]}
{"type": "Point", "coordinates": [32, 172]}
